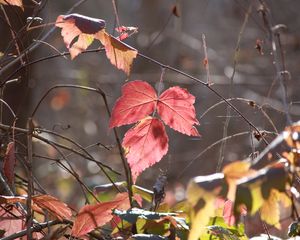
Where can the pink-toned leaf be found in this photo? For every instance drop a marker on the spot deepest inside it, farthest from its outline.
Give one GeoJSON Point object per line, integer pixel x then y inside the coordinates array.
{"type": "Point", "coordinates": [12, 199]}
{"type": "Point", "coordinates": [137, 101]}
{"type": "Point", "coordinates": [9, 163]}
{"type": "Point", "coordinates": [53, 205]}
{"type": "Point", "coordinates": [97, 215]}
{"type": "Point", "coordinates": [83, 27]}
{"type": "Point", "coordinates": [176, 108]}
{"type": "Point", "coordinates": [120, 54]}
{"type": "Point", "coordinates": [145, 144]}
{"type": "Point", "coordinates": [125, 32]}
{"type": "Point", "coordinates": [12, 2]}
{"type": "Point", "coordinates": [11, 220]}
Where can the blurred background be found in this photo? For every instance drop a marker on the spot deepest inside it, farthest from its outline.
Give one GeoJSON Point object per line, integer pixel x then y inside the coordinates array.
{"type": "Point", "coordinates": [241, 66]}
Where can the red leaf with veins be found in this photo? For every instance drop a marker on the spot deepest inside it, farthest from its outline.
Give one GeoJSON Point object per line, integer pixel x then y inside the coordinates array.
{"type": "Point", "coordinates": [138, 100]}
{"type": "Point", "coordinates": [96, 215]}
{"type": "Point", "coordinates": [9, 163]}
{"type": "Point", "coordinates": [145, 144]}
{"type": "Point", "coordinates": [176, 108]}
{"type": "Point", "coordinates": [53, 205]}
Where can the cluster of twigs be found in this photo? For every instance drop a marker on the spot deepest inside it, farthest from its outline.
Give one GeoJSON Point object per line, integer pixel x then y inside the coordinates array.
{"type": "Point", "coordinates": [33, 132]}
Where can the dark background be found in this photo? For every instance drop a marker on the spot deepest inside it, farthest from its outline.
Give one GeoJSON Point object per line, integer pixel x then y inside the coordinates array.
{"type": "Point", "coordinates": [172, 40]}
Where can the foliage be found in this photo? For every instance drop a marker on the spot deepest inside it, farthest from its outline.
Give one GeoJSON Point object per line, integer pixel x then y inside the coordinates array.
{"type": "Point", "coordinates": [214, 204]}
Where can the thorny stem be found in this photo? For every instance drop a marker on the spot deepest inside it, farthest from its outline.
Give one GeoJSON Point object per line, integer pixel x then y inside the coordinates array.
{"type": "Point", "coordinates": [280, 75]}
{"type": "Point", "coordinates": [209, 87]}
{"type": "Point", "coordinates": [121, 152]}
{"type": "Point", "coordinates": [30, 191]}
{"type": "Point", "coordinates": [156, 63]}
{"type": "Point", "coordinates": [36, 228]}
{"type": "Point", "coordinates": [228, 109]}
{"type": "Point", "coordinates": [36, 44]}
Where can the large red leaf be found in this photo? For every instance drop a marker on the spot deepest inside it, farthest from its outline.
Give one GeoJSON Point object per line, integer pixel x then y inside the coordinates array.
{"type": "Point", "coordinates": [96, 215]}
{"type": "Point", "coordinates": [120, 54]}
{"type": "Point", "coordinates": [138, 100]}
{"type": "Point", "coordinates": [176, 108]}
{"type": "Point", "coordinates": [11, 220]}
{"type": "Point", "coordinates": [53, 205]}
{"type": "Point", "coordinates": [83, 27]}
{"type": "Point", "coordinates": [9, 162]}
{"type": "Point", "coordinates": [145, 144]}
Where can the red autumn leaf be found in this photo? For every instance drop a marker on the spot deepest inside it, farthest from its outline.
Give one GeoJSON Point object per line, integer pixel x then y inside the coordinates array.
{"type": "Point", "coordinates": [120, 54]}
{"type": "Point", "coordinates": [137, 101]}
{"type": "Point", "coordinates": [11, 220]}
{"type": "Point", "coordinates": [53, 205]}
{"type": "Point", "coordinates": [9, 163]}
{"type": "Point", "coordinates": [176, 108]}
{"type": "Point", "coordinates": [145, 144]}
{"type": "Point", "coordinates": [83, 27]}
{"type": "Point", "coordinates": [97, 215]}
{"type": "Point", "coordinates": [12, 2]}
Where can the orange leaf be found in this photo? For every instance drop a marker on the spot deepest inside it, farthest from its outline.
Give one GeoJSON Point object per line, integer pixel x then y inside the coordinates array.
{"type": "Point", "coordinates": [96, 215]}
{"type": "Point", "coordinates": [53, 205]}
{"type": "Point", "coordinates": [9, 163]}
{"type": "Point", "coordinates": [145, 144]}
{"type": "Point", "coordinates": [120, 54]}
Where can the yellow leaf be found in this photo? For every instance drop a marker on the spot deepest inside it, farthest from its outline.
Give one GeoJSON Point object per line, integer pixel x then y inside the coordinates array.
{"type": "Point", "coordinates": [233, 172]}
{"type": "Point", "coordinates": [202, 203]}
{"type": "Point", "coordinates": [270, 209]}
{"type": "Point", "coordinates": [120, 54]}
{"type": "Point", "coordinates": [83, 42]}
{"type": "Point", "coordinates": [256, 195]}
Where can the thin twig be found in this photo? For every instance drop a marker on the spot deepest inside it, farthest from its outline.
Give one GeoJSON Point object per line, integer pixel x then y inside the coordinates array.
{"type": "Point", "coordinates": [36, 44]}
{"type": "Point", "coordinates": [36, 228]}
{"type": "Point", "coordinates": [228, 109]}
{"type": "Point", "coordinates": [30, 190]}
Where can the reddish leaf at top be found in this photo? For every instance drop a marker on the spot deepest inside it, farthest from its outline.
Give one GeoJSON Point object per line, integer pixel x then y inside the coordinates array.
{"type": "Point", "coordinates": [176, 108]}
{"type": "Point", "coordinates": [137, 101]}
{"type": "Point", "coordinates": [9, 163]}
{"type": "Point", "coordinates": [120, 54]}
{"type": "Point", "coordinates": [86, 29]}
{"type": "Point", "coordinates": [83, 27]}
{"type": "Point", "coordinates": [53, 205]}
{"type": "Point", "coordinates": [97, 215]}
{"type": "Point", "coordinates": [145, 144]}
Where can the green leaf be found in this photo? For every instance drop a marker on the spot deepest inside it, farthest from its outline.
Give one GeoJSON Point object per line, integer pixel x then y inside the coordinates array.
{"type": "Point", "coordinates": [294, 229]}
{"type": "Point", "coordinates": [133, 214]}
{"type": "Point", "coordinates": [219, 229]}
{"type": "Point", "coordinates": [143, 192]}
{"type": "Point", "coordinates": [148, 237]}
